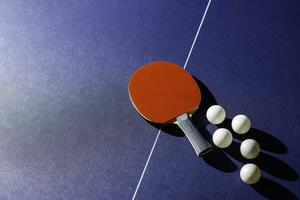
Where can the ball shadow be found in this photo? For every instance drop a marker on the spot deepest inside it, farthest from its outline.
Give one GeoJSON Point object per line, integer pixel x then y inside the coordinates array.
{"type": "Point", "coordinates": [272, 190]}
{"type": "Point", "coordinates": [266, 141]}
{"type": "Point", "coordinates": [266, 163]}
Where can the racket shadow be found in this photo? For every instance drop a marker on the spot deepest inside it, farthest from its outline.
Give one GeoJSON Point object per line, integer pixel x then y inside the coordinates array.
{"type": "Point", "coordinates": [215, 158]}
{"type": "Point", "coordinates": [198, 117]}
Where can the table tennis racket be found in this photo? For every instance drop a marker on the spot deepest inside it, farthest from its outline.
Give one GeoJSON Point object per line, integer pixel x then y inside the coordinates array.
{"type": "Point", "coordinates": [163, 92]}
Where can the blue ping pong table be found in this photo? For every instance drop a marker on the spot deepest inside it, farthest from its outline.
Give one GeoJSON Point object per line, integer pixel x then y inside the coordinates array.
{"type": "Point", "coordinates": [67, 126]}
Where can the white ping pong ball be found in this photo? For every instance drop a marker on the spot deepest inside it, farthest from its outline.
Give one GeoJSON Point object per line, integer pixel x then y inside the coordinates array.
{"type": "Point", "coordinates": [250, 173]}
{"type": "Point", "coordinates": [216, 114]}
{"type": "Point", "coordinates": [241, 124]}
{"type": "Point", "coordinates": [249, 148]}
{"type": "Point", "coordinates": [222, 138]}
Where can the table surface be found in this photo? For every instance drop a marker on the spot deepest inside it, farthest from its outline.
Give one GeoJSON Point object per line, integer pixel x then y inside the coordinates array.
{"type": "Point", "coordinates": [67, 126]}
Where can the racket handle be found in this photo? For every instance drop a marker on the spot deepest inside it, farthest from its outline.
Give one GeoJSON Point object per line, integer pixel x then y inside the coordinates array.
{"type": "Point", "coordinates": [199, 143]}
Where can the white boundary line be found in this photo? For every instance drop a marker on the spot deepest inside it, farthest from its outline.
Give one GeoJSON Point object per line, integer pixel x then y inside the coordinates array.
{"type": "Point", "coordinates": [196, 36]}
{"type": "Point", "coordinates": [158, 133]}
{"type": "Point", "coordinates": [146, 165]}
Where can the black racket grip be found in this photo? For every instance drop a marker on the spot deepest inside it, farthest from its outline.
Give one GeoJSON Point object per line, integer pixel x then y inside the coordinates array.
{"type": "Point", "coordinates": [199, 143]}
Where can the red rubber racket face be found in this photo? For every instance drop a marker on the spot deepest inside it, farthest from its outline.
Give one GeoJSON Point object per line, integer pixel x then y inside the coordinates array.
{"type": "Point", "coordinates": [161, 91]}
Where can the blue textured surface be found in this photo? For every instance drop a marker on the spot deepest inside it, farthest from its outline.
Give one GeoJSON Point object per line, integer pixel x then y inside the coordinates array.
{"type": "Point", "coordinates": [69, 131]}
